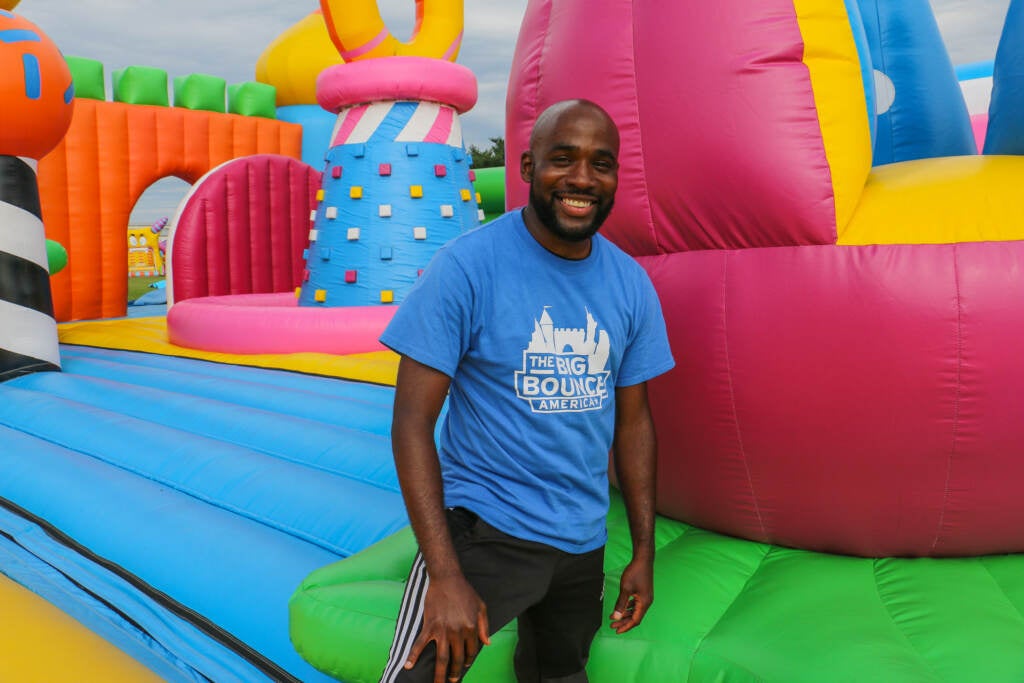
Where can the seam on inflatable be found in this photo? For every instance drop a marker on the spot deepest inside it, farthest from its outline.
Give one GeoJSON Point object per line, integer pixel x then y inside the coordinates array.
{"type": "Point", "coordinates": [256, 177]}
{"type": "Point", "coordinates": [98, 290]}
{"type": "Point", "coordinates": [732, 603]}
{"type": "Point", "coordinates": [640, 130]}
{"type": "Point", "coordinates": [217, 253]}
{"type": "Point", "coordinates": [295, 265]}
{"type": "Point", "coordinates": [182, 487]}
{"type": "Point", "coordinates": [290, 202]}
{"type": "Point", "coordinates": [98, 380]}
{"type": "Point", "coordinates": [956, 400]}
{"type": "Point", "coordinates": [526, 103]}
{"type": "Point", "coordinates": [892, 619]}
{"type": "Point", "coordinates": [999, 585]}
{"type": "Point", "coordinates": [539, 80]}
{"type": "Point", "coordinates": [260, 177]}
{"type": "Point", "coordinates": [264, 664]}
{"type": "Point", "coordinates": [732, 392]}
{"type": "Point", "coordinates": [16, 540]}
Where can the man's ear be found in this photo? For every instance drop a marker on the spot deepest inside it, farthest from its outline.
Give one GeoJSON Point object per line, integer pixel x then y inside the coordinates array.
{"type": "Point", "coordinates": [526, 167]}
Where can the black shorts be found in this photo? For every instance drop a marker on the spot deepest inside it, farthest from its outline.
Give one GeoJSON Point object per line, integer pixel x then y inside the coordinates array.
{"type": "Point", "coordinates": [557, 597]}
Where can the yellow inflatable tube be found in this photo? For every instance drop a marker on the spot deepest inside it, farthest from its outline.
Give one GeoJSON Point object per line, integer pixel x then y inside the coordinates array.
{"type": "Point", "coordinates": [39, 643]}
{"type": "Point", "coordinates": [292, 62]}
{"type": "Point", "coordinates": [940, 201]}
{"type": "Point", "coordinates": [358, 31]}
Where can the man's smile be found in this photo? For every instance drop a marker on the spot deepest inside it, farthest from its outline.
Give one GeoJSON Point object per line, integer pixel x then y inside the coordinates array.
{"type": "Point", "coordinates": [577, 207]}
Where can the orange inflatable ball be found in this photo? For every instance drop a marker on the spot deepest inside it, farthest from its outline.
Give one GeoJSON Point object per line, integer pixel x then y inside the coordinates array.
{"type": "Point", "coordinates": [36, 94]}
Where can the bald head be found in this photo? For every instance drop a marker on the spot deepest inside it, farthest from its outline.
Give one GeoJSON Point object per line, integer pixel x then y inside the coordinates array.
{"type": "Point", "coordinates": [550, 118]}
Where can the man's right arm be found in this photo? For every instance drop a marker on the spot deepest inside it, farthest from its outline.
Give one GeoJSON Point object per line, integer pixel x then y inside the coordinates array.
{"type": "Point", "coordinates": [454, 616]}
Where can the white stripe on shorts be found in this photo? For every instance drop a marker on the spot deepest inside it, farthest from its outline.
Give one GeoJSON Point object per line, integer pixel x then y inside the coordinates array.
{"type": "Point", "coordinates": [410, 619]}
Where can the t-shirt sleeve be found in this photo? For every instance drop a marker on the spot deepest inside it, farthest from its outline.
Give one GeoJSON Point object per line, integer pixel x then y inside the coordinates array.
{"type": "Point", "coordinates": [648, 354]}
{"type": "Point", "coordinates": [432, 324]}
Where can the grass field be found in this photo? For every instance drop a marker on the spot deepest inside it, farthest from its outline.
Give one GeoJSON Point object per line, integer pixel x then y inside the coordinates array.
{"type": "Point", "coordinates": [137, 286]}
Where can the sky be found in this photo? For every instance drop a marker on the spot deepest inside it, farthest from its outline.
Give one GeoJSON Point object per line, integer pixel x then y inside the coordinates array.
{"type": "Point", "coordinates": [226, 37]}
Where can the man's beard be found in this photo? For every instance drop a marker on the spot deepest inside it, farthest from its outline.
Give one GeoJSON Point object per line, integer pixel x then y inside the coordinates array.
{"type": "Point", "coordinates": [546, 213]}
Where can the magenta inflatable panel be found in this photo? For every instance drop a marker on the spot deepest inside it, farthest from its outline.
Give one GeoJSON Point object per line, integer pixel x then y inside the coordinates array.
{"type": "Point", "coordinates": [708, 116]}
{"type": "Point", "coordinates": [860, 399]}
{"type": "Point", "coordinates": [243, 228]}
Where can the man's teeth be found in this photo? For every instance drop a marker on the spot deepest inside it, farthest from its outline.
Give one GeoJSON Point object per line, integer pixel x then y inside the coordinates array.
{"type": "Point", "coordinates": [578, 203]}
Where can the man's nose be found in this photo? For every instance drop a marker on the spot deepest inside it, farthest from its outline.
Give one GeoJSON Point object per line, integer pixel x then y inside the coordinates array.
{"type": "Point", "coordinates": [581, 175]}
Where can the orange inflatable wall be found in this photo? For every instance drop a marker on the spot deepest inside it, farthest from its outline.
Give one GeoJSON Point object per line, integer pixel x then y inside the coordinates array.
{"type": "Point", "coordinates": [111, 154]}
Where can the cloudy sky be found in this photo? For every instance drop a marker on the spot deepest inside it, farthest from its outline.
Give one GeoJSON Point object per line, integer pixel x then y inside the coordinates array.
{"type": "Point", "coordinates": [226, 37]}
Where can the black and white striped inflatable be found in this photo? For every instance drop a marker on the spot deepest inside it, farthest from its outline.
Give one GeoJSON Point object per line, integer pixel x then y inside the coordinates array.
{"type": "Point", "coordinates": [28, 330]}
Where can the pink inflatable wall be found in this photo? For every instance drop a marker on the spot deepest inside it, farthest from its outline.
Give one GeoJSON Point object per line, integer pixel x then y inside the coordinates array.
{"type": "Point", "coordinates": [243, 227]}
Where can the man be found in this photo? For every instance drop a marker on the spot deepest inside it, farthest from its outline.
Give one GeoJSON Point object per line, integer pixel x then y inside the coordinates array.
{"type": "Point", "coordinates": [545, 334]}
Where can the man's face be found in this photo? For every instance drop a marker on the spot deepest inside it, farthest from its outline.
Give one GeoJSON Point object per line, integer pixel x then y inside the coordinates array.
{"type": "Point", "coordinates": [573, 174]}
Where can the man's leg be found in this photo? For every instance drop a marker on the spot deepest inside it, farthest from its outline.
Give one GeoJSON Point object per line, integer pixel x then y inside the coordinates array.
{"type": "Point", "coordinates": [555, 634]}
{"type": "Point", "coordinates": [507, 574]}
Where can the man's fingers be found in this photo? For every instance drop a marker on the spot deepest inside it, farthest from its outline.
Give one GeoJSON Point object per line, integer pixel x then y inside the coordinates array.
{"type": "Point", "coordinates": [472, 650]}
{"type": "Point", "coordinates": [457, 663]}
{"type": "Point", "coordinates": [483, 626]}
{"type": "Point", "coordinates": [622, 605]}
{"type": "Point", "coordinates": [441, 662]}
{"type": "Point", "coordinates": [416, 650]}
{"type": "Point", "coordinates": [630, 616]}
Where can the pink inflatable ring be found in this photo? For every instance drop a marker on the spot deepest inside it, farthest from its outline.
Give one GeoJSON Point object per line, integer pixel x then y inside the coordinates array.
{"type": "Point", "coordinates": [396, 78]}
{"type": "Point", "coordinates": [274, 323]}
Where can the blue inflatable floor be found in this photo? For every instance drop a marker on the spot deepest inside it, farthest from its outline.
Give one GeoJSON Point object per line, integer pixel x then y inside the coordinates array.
{"type": "Point", "coordinates": [174, 505]}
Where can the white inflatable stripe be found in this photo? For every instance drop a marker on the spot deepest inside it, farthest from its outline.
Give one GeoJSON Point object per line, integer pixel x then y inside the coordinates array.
{"type": "Point", "coordinates": [28, 332]}
{"type": "Point", "coordinates": [337, 126]}
{"type": "Point", "coordinates": [22, 235]}
{"type": "Point", "coordinates": [420, 122]}
{"type": "Point", "coordinates": [374, 116]}
{"type": "Point", "coordinates": [455, 137]}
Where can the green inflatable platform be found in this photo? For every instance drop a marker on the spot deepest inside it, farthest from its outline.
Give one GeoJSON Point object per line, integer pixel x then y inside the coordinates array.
{"type": "Point", "coordinates": [725, 611]}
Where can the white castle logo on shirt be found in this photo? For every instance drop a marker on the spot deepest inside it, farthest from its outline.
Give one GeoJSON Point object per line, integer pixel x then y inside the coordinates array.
{"type": "Point", "coordinates": [564, 368]}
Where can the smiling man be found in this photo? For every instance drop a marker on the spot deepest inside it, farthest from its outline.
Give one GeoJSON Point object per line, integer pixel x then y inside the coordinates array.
{"type": "Point", "coordinates": [570, 197]}
{"type": "Point", "coordinates": [544, 335]}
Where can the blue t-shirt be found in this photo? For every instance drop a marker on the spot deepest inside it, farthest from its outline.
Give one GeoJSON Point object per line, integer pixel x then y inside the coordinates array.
{"type": "Point", "coordinates": [535, 345]}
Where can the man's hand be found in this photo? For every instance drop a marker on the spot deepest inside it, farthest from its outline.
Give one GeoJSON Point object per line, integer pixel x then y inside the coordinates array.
{"type": "Point", "coordinates": [635, 448]}
{"type": "Point", "coordinates": [455, 618]}
{"type": "Point", "coordinates": [636, 593]}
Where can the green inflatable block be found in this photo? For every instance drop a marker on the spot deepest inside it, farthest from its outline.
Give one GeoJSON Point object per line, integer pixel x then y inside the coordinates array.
{"type": "Point", "coordinates": [725, 610]}
{"type": "Point", "coordinates": [490, 184]}
{"type": "Point", "coordinates": [87, 75]}
{"type": "Point", "coordinates": [253, 99]}
{"type": "Point", "coordinates": [56, 256]}
{"type": "Point", "coordinates": [140, 85]}
{"type": "Point", "coordinates": [201, 92]}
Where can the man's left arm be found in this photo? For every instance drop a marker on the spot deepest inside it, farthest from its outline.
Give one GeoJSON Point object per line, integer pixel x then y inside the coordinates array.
{"type": "Point", "coordinates": [635, 449]}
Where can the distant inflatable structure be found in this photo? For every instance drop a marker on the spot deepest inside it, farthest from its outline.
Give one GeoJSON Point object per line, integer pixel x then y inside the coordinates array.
{"type": "Point", "coordinates": [396, 186]}
{"type": "Point", "coordinates": [114, 150]}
